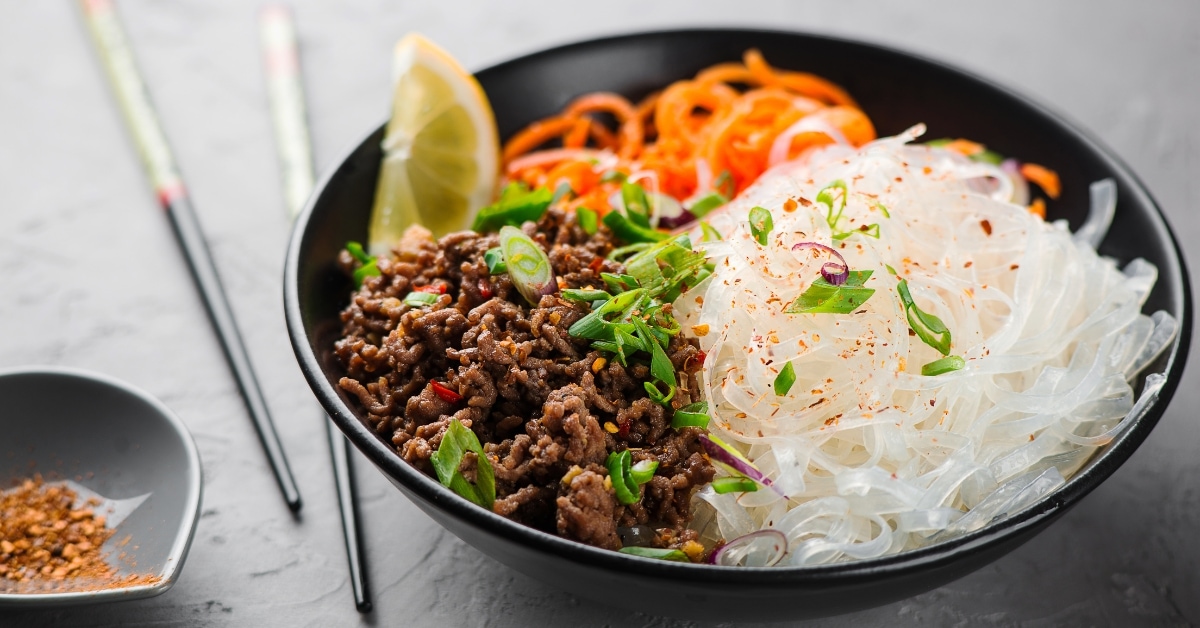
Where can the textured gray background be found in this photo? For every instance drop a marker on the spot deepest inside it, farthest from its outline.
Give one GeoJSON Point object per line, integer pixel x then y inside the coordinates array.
{"type": "Point", "coordinates": [90, 277]}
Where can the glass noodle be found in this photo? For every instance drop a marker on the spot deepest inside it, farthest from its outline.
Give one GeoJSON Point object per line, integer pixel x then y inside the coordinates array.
{"type": "Point", "coordinates": [869, 456]}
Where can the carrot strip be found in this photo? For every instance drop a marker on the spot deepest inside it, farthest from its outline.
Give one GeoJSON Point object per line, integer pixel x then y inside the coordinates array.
{"type": "Point", "coordinates": [535, 135]}
{"type": "Point", "coordinates": [1044, 177]}
{"type": "Point", "coordinates": [1038, 207]}
{"type": "Point", "coordinates": [578, 135]}
{"type": "Point", "coordinates": [964, 147]}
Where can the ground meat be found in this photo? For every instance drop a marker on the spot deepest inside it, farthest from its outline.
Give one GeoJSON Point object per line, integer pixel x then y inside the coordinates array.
{"type": "Point", "coordinates": [547, 408]}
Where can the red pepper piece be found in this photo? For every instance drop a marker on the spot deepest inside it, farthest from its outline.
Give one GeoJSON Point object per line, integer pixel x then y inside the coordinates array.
{"type": "Point", "coordinates": [596, 264]}
{"type": "Point", "coordinates": [623, 428]}
{"type": "Point", "coordinates": [438, 288]}
{"type": "Point", "coordinates": [696, 360]}
{"type": "Point", "coordinates": [485, 289]}
{"type": "Point", "coordinates": [447, 395]}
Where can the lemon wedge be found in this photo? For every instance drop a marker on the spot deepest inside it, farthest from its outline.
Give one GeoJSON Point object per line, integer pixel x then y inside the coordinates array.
{"type": "Point", "coordinates": [440, 147]}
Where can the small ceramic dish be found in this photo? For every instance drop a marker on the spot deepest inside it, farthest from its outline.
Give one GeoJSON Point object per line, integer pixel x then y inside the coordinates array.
{"type": "Point", "coordinates": [113, 442]}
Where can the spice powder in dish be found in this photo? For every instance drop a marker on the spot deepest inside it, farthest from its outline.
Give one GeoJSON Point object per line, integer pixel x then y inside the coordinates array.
{"type": "Point", "coordinates": [50, 542]}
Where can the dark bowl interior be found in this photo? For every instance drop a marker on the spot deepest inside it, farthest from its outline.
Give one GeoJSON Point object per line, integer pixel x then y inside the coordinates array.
{"type": "Point", "coordinates": [896, 90]}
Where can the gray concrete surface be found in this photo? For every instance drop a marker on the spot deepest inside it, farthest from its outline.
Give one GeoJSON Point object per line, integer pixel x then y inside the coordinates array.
{"type": "Point", "coordinates": [90, 277]}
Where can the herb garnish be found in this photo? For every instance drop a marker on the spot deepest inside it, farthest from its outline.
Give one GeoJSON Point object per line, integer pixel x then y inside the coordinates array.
{"type": "Point", "coordinates": [418, 298]}
{"type": "Point", "coordinates": [588, 219]}
{"type": "Point", "coordinates": [785, 379]}
{"type": "Point", "coordinates": [634, 323]}
{"type": "Point", "coordinates": [516, 205]}
{"type": "Point", "coordinates": [368, 263]}
{"type": "Point", "coordinates": [823, 297]}
{"type": "Point", "coordinates": [619, 469]}
{"type": "Point", "coordinates": [929, 328]}
{"type": "Point", "coordinates": [707, 203]}
{"type": "Point", "coordinates": [494, 258]}
{"type": "Point", "coordinates": [761, 224]}
{"type": "Point", "coordinates": [826, 197]}
{"type": "Point", "coordinates": [457, 440]}
{"type": "Point", "coordinates": [691, 415]}
{"type": "Point", "coordinates": [943, 365]}
{"type": "Point", "coordinates": [734, 484]}
{"type": "Point", "coordinates": [655, 552]}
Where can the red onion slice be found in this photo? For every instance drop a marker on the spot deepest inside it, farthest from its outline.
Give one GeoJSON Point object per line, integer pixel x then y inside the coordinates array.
{"type": "Point", "coordinates": [835, 272]}
{"type": "Point", "coordinates": [725, 457]}
{"type": "Point", "coordinates": [733, 553]}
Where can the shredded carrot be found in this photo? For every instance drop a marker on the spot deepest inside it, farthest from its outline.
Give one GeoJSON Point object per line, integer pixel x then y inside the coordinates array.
{"type": "Point", "coordinates": [964, 147]}
{"type": "Point", "coordinates": [1038, 207]}
{"type": "Point", "coordinates": [1043, 177]}
{"type": "Point", "coordinates": [725, 124]}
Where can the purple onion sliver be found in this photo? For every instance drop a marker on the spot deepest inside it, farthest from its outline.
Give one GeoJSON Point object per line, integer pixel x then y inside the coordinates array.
{"type": "Point", "coordinates": [723, 457]}
{"type": "Point", "coordinates": [684, 218]}
{"type": "Point", "coordinates": [781, 545]}
{"type": "Point", "coordinates": [835, 273]}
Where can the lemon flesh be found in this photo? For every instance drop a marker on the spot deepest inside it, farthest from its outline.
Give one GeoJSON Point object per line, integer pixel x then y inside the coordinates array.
{"type": "Point", "coordinates": [440, 149]}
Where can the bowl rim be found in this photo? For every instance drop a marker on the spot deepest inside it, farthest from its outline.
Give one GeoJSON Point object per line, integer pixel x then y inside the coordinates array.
{"type": "Point", "coordinates": [183, 537]}
{"type": "Point", "coordinates": [1103, 464]}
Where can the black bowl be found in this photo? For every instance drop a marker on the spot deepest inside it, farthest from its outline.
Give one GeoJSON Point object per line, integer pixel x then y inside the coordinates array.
{"type": "Point", "coordinates": [896, 90]}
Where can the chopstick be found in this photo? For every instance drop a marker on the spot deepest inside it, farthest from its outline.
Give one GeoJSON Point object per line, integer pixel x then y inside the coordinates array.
{"type": "Point", "coordinates": [130, 90]}
{"type": "Point", "coordinates": [286, 94]}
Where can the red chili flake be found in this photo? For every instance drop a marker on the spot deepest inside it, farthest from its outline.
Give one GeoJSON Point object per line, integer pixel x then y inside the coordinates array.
{"type": "Point", "coordinates": [433, 288]}
{"type": "Point", "coordinates": [485, 289]}
{"type": "Point", "coordinates": [596, 264]}
{"type": "Point", "coordinates": [623, 428]}
{"type": "Point", "coordinates": [447, 395]}
{"type": "Point", "coordinates": [987, 226]}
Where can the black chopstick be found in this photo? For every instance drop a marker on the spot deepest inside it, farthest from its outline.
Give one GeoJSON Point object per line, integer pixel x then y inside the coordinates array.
{"type": "Point", "coordinates": [286, 93]}
{"type": "Point", "coordinates": [160, 166]}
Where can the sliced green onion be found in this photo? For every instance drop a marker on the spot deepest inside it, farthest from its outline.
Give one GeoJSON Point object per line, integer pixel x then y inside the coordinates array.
{"type": "Point", "coordinates": [357, 252]}
{"type": "Point", "coordinates": [929, 328]}
{"type": "Point", "coordinates": [944, 365]}
{"type": "Point", "coordinates": [740, 484]}
{"type": "Point", "coordinates": [761, 224]}
{"type": "Point", "coordinates": [619, 469]}
{"type": "Point", "coordinates": [785, 379]}
{"type": "Point", "coordinates": [517, 205]}
{"type": "Point", "coordinates": [655, 552]}
{"type": "Point", "coordinates": [630, 232]}
{"type": "Point", "coordinates": [661, 368]}
{"type": "Point", "coordinates": [588, 219]}
{"type": "Point", "coordinates": [643, 471]}
{"type": "Point", "coordinates": [706, 204]}
{"type": "Point", "coordinates": [691, 415]}
{"type": "Point", "coordinates": [420, 299]}
{"type": "Point", "coordinates": [370, 269]}
{"type": "Point", "coordinates": [613, 176]}
{"type": "Point", "coordinates": [494, 258]}
{"type": "Point", "coordinates": [457, 440]}
{"type": "Point", "coordinates": [637, 207]}
{"type": "Point", "coordinates": [629, 249]}
{"type": "Point", "coordinates": [657, 396]}
{"type": "Point", "coordinates": [724, 184]}
{"type": "Point", "coordinates": [579, 295]}
{"type": "Point", "coordinates": [596, 325]}
{"type": "Point", "coordinates": [528, 265]}
{"type": "Point", "coordinates": [561, 191]}
{"type": "Point", "coordinates": [368, 263]}
{"type": "Point", "coordinates": [708, 233]}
